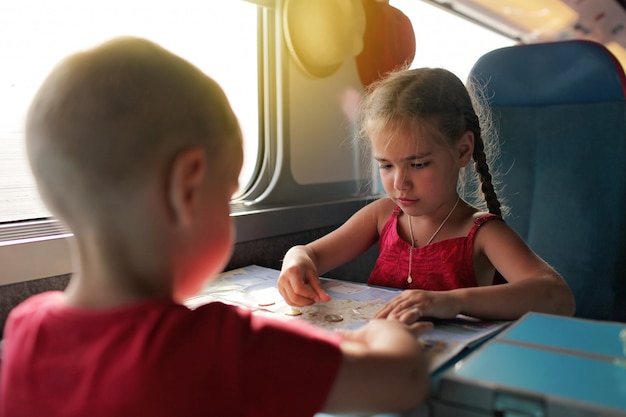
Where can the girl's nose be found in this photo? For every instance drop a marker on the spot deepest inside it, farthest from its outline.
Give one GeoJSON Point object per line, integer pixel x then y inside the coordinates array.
{"type": "Point", "coordinates": [400, 181]}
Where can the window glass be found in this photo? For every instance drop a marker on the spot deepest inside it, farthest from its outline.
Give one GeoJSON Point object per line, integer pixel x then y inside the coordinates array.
{"type": "Point", "coordinates": [445, 40]}
{"type": "Point", "coordinates": [218, 37]}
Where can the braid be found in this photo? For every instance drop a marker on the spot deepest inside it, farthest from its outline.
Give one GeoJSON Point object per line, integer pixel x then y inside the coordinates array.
{"type": "Point", "coordinates": [486, 185]}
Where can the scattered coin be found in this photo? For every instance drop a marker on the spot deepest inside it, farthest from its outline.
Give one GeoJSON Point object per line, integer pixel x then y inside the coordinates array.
{"type": "Point", "coordinates": [266, 303]}
{"type": "Point", "coordinates": [333, 318]}
{"type": "Point", "coordinates": [293, 312]}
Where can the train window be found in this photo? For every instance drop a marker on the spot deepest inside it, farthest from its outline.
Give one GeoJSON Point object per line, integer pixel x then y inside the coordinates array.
{"type": "Point", "coordinates": [445, 40]}
{"type": "Point", "coordinates": [300, 164]}
{"type": "Point", "coordinates": [320, 126]}
{"type": "Point", "coordinates": [218, 37]}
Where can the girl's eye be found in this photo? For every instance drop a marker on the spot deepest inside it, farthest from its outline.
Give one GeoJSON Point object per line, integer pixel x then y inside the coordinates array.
{"type": "Point", "coordinates": [420, 165]}
{"type": "Point", "coordinates": [384, 166]}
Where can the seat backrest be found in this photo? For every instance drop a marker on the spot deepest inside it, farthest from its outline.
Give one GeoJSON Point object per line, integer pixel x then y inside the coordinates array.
{"type": "Point", "coordinates": [560, 112]}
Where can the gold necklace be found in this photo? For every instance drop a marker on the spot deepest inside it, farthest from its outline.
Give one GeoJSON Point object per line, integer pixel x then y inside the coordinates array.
{"type": "Point", "coordinates": [409, 278]}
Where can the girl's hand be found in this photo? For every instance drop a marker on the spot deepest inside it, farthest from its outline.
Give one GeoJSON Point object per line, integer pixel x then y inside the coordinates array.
{"type": "Point", "coordinates": [410, 306]}
{"type": "Point", "coordinates": [298, 282]}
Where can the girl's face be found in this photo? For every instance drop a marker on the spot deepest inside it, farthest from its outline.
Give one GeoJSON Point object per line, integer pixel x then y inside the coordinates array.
{"type": "Point", "coordinates": [419, 173]}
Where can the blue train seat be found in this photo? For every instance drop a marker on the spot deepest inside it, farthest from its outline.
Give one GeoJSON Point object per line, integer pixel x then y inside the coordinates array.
{"type": "Point", "coordinates": [560, 112]}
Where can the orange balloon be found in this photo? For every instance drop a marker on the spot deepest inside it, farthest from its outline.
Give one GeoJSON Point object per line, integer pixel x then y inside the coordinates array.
{"type": "Point", "coordinates": [388, 42]}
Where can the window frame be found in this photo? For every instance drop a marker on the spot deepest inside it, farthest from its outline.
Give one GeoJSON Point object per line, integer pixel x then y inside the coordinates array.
{"type": "Point", "coordinates": [34, 249]}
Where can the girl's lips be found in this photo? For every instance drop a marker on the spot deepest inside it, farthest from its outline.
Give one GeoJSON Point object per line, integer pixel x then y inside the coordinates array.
{"type": "Point", "coordinates": [406, 201]}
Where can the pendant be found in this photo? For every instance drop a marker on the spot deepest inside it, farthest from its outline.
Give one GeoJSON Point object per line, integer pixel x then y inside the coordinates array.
{"type": "Point", "coordinates": [409, 279]}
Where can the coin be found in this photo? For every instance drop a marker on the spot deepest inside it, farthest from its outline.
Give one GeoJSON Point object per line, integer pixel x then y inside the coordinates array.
{"type": "Point", "coordinates": [333, 318]}
{"type": "Point", "coordinates": [293, 312]}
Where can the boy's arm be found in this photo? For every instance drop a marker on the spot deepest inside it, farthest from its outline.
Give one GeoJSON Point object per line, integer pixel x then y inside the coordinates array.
{"type": "Point", "coordinates": [383, 370]}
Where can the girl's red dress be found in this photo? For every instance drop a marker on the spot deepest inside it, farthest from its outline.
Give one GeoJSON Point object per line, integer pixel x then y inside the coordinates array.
{"type": "Point", "coordinates": [439, 266]}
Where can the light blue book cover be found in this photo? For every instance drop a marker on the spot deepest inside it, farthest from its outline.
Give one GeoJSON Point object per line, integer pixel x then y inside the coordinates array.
{"type": "Point", "coordinates": [543, 364]}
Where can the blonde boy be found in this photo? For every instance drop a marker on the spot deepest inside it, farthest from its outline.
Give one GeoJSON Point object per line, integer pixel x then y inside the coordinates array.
{"type": "Point", "coordinates": [139, 152]}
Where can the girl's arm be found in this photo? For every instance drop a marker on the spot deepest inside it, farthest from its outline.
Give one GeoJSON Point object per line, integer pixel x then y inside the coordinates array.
{"type": "Point", "coordinates": [383, 370]}
{"type": "Point", "coordinates": [298, 282]}
{"type": "Point", "coordinates": [532, 285]}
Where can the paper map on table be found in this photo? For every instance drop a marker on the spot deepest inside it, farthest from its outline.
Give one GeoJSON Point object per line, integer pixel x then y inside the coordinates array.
{"type": "Point", "coordinates": [255, 287]}
{"type": "Point", "coordinates": [352, 305]}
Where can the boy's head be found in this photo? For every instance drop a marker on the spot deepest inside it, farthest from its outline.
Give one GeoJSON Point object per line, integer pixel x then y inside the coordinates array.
{"type": "Point", "coordinates": [116, 133]}
{"type": "Point", "coordinates": [107, 118]}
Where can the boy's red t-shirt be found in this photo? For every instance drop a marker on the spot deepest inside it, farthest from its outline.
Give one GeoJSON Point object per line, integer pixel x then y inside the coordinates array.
{"type": "Point", "coordinates": [159, 358]}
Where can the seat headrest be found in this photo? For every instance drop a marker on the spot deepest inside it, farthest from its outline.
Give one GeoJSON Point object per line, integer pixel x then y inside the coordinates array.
{"type": "Point", "coordinates": [572, 71]}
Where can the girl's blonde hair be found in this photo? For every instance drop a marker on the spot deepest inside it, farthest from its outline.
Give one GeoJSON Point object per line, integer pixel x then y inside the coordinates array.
{"type": "Point", "coordinates": [436, 100]}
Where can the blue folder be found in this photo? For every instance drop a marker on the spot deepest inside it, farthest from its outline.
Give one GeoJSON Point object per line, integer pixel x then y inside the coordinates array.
{"type": "Point", "coordinates": [543, 365]}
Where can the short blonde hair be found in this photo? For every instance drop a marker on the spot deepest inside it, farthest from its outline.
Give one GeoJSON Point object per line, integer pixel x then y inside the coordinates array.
{"type": "Point", "coordinates": [107, 118]}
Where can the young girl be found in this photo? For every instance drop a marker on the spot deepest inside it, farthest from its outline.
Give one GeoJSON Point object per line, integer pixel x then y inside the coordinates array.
{"type": "Point", "coordinates": [445, 253]}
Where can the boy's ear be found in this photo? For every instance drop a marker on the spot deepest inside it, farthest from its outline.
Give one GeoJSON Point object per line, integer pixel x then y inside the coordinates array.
{"type": "Point", "coordinates": [465, 148]}
{"type": "Point", "coordinates": [186, 177]}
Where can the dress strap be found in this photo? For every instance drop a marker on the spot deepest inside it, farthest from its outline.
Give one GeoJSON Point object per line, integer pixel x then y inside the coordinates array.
{"type": "Point", "coordinates": [498, 278]}
{"type": "Point", "coordinates": [480, 221]}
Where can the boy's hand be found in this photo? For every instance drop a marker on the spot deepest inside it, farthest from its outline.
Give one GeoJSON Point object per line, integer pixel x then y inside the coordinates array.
{"type": "Point", "coordinates": [360, 335]}
{"type": "Point", "coordinates": [419, 328]}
